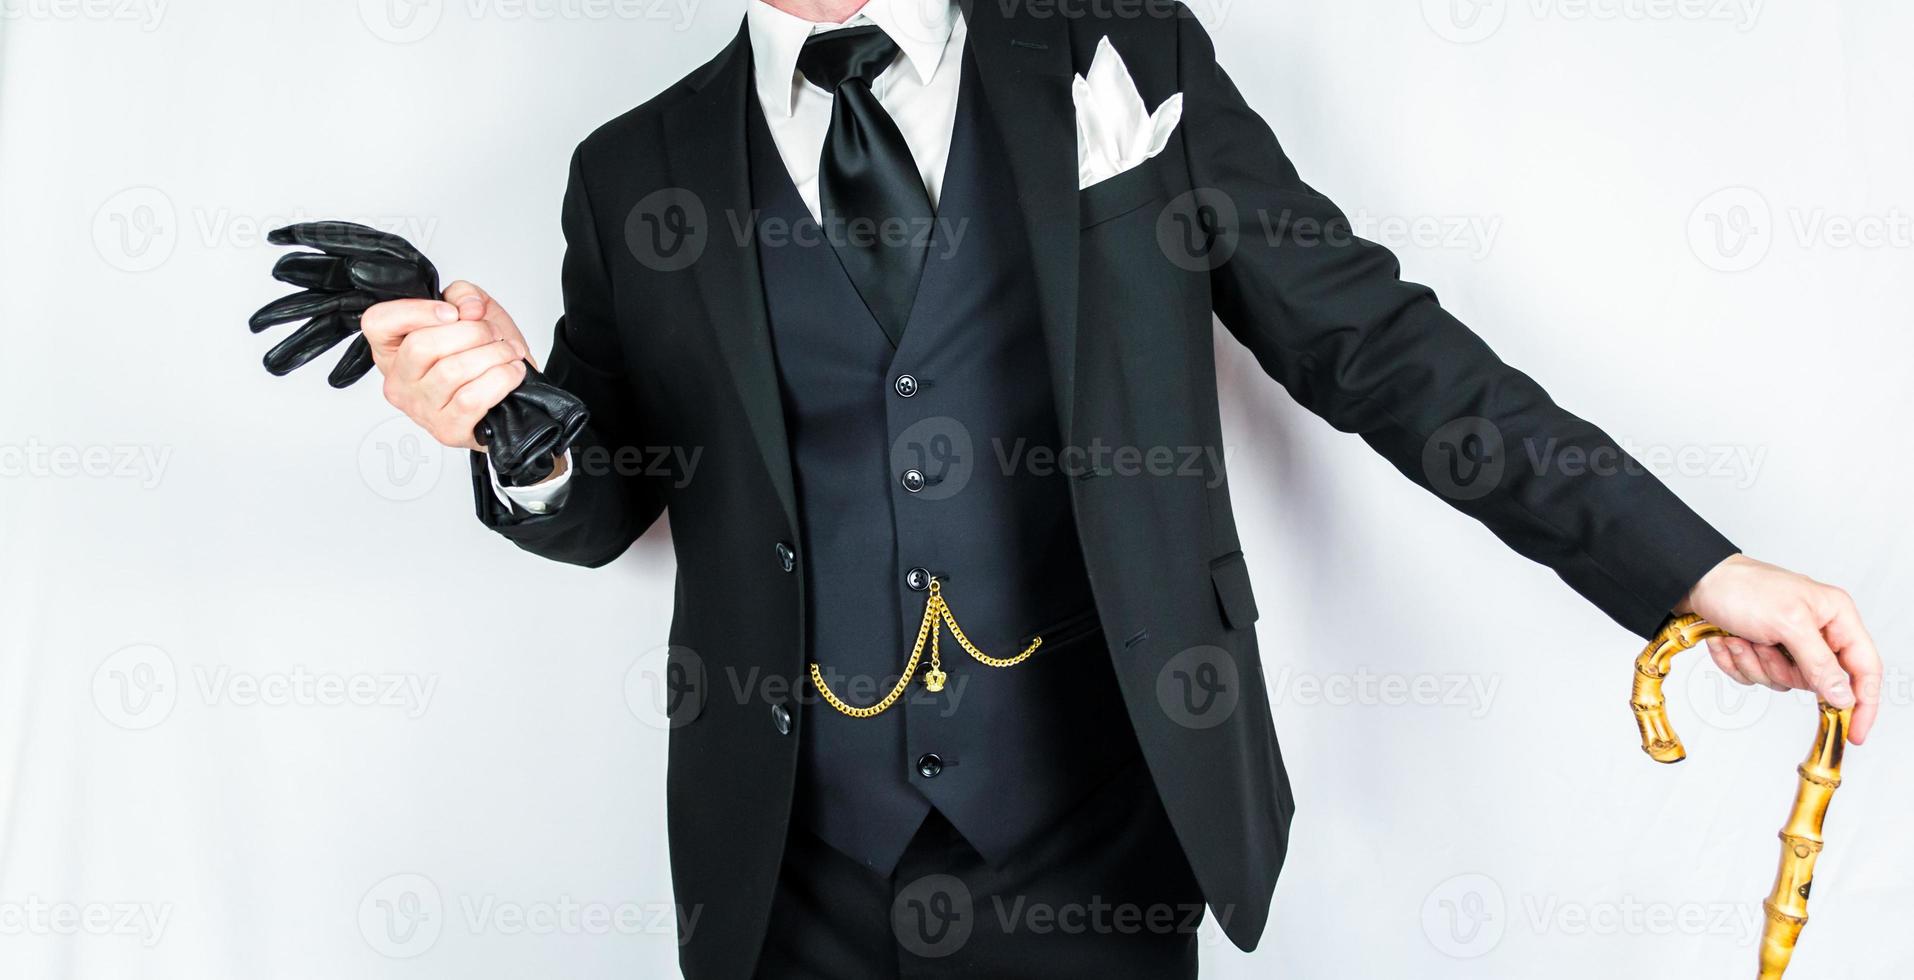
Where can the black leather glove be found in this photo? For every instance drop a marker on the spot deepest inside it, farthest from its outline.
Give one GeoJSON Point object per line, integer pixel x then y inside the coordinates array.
{"type": "Point", "coordinates": [357, 267]}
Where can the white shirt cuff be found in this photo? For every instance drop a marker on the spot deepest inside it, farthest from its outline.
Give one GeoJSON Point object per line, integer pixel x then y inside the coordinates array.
{"type": "Point", "coordinates": [536, 500]}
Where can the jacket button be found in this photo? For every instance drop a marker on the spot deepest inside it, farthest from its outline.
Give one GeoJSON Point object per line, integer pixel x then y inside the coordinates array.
{"type": "Point", "coordinates": [781, 717]}
{"type": "Point", "coordinates": [787, 558]}
{"type": "Point", "coordinates": [918, 579]}
{"type": "Point", "coordinates": [913, 480]}
{"type": "Point", "coordinates": [929, 765]}
{"type": "Point", "coordinates": [906, 386]}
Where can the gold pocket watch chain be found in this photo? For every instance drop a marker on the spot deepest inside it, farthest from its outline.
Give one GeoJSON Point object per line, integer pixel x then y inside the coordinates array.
{"type": "Point", "coordinates": [937, 615]}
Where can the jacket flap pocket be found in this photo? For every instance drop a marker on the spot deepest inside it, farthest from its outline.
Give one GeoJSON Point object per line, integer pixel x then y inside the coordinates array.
{"type": "Point", "coordinates": [1230, 575]}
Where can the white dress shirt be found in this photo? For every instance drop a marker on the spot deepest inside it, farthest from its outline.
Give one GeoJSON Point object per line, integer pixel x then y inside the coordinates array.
{"type": "Point", "coordinates": [919, 92]}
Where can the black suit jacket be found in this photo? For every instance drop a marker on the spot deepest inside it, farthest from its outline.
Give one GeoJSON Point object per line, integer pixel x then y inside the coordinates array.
{"type": "Point", "coordinates": [1130, 272]}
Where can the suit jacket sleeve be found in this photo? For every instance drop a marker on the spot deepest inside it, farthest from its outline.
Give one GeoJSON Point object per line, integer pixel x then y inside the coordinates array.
{"type": "Point", "coordinates": [1329, 317]}
{"type": "Point", "coordinates": [608, 506]}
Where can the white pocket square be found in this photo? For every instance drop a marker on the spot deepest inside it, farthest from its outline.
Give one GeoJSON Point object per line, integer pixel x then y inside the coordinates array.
{"type": "Point", "coordinates": [1114, 131]}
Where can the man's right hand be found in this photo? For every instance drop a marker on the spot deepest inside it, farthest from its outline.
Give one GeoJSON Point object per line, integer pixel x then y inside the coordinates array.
{"type": "Point", "coordinates": [447, 363]}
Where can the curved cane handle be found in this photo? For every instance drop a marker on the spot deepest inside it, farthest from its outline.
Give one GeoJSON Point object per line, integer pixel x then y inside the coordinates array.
{"type": "Point", "coordinates": [1651, 712]}
{"type": "Point", "coordinates": [1801, 842]}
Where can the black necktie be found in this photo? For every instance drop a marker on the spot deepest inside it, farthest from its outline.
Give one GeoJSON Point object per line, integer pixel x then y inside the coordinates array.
{"type": "Point", "coordinates": [876, 212]}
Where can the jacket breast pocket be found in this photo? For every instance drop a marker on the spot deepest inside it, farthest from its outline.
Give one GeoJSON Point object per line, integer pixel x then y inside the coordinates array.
{"type": "Point", "coordinates": [1230, 576]}
{"type": "Point", "coordinates": [1152, 180]}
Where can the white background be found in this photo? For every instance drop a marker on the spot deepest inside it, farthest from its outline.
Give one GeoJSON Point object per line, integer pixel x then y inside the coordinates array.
{"type": "Point", "coordinates": [1689, 220]}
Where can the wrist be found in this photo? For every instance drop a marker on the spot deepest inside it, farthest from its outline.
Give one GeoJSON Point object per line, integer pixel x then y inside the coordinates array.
{"type": "Point", "coordinates": [1691, 599]}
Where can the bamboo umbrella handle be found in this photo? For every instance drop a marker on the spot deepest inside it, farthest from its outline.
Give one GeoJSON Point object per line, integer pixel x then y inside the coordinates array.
{"type": "Point", "coordinates": [1820, 776]}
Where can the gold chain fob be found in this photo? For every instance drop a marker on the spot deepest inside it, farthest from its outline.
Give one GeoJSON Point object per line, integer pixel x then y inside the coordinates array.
{"type": "Point", "coordinates": [1820, 776]}
{"type": "Point", "coordinates": [930, 630]}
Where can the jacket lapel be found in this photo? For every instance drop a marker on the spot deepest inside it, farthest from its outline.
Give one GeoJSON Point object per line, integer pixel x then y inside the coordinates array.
{"type": "Point", "coordinates": [1025, 67]}
{"type": "Point", "coordinates": [708, 151]}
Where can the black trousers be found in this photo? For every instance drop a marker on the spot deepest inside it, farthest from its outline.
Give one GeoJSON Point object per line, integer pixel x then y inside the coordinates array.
{"type": "Point", "coordinates": [1105, 894]}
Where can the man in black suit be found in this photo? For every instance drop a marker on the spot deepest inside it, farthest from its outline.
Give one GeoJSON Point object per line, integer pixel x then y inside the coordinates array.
{"type": "Point", "coordinates": [933, 315]}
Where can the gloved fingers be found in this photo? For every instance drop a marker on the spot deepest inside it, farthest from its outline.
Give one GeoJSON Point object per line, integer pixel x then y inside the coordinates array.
{"type": "Point", "coordinates": [315, 338]}
{"type": "Point", "coordinates": [385, 278]}
{"type": "Point", "coordinates": [395, 279]}
{"type": "Point", "coordinates": [314, 270]}
{"type": "Point", "coordinates": [307, 304]}
{"type": "Point", "coordinates": [353, 269]}
{"type": "Point", "coordinates": [356, 362]}
{"type": "Point", "coordinates": [347, 238]}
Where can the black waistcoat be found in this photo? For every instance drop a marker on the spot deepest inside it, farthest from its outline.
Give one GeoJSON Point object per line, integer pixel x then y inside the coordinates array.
{"type": "Point", "coordinates": [964, 402]}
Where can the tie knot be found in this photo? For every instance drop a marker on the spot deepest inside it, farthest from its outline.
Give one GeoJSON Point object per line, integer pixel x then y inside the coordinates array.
{"type": "Point", "coordinates": [862, 53]}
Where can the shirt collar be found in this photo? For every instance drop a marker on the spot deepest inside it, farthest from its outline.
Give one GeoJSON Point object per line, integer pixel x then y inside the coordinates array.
{"type": "Point", "coordinates": [921, 29]}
